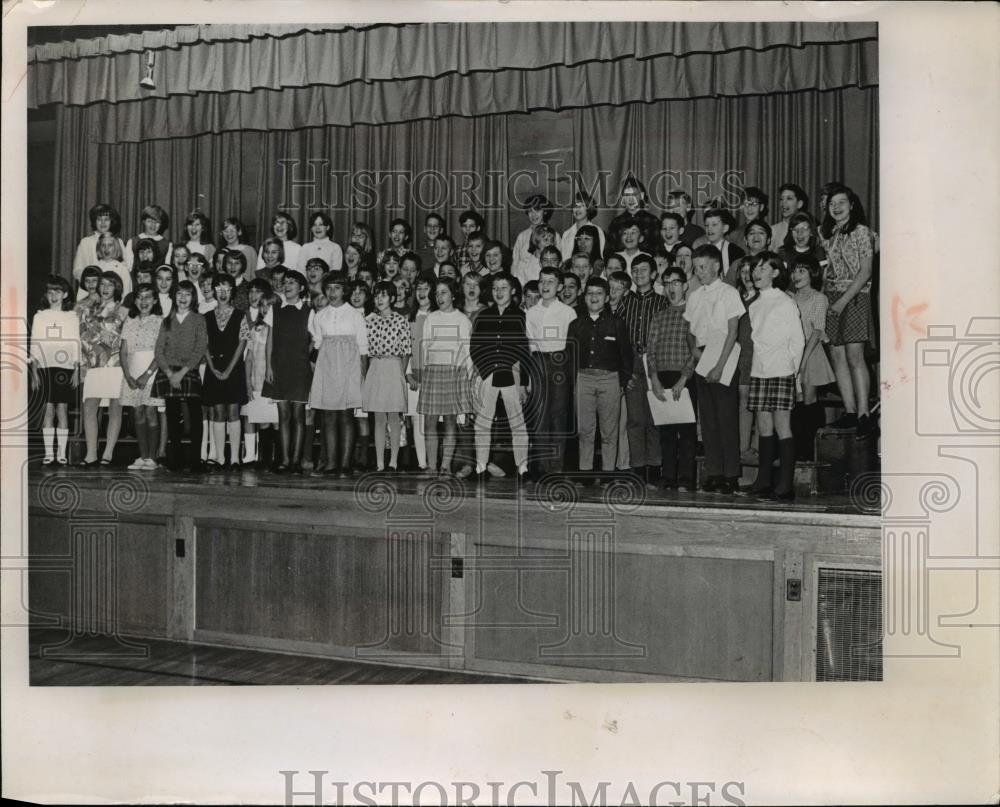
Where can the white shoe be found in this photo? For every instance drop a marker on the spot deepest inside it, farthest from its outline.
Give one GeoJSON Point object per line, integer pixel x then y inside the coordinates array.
{"type": "Point", "coordinates": [138, 465]}
{"type": "Point", "coordinates": [495, 470]}
{"type": "Point", "coordinates": [150, 464]}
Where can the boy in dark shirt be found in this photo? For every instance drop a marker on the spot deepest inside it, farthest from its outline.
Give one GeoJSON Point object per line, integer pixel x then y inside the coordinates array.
{"type": "Point", "coordinates": [604, 367]}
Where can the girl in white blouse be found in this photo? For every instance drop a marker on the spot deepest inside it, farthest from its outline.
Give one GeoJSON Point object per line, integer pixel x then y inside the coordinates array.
{"type": "Point", "coordinates": [321, 246]}
{"type": "Point", "coordinates": [777, 353]}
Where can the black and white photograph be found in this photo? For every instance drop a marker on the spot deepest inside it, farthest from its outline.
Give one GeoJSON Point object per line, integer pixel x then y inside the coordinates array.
{"type": "Point", "coordinates": [503, 349]}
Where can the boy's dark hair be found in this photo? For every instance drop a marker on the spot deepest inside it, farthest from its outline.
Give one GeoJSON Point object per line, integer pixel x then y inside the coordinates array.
{"type": "Point", "coordinates": [538, 201]}
{"type": "Point", "coordinates": [479, 236]}
{"type": "Point", "coordinates": [447, 238]}
{"type": "Point", "coordinates": [621, 277]}
{"type": "Point", "coordinates": [753, 192]}
{"type": "Point", "coordinates": [472, 215]}
{"type": "Point", "coordinates": [298, 277]}
{"type": "Point", "coordinates": [811, 265]}
{"type": "Point", "coordinates": [236, 255]}
{"type": "Point", "coordinates": [550, 250]}
{"type": "Point", "coordinates": [413, 258]}
{"type": "Point", "coordinates": [407, 229]}
{"type": "Point", "coordinates": [758, 222]}
{"type": "Point", "coordinates": [597, 283]}
{"type": "Point", "coordinates": [673, 271]}
{"type": "Point", "coordinates": [102, 209]}
{"type": "Point", "coordinates": [433, 215]}
{"type": "Point", "coordinates": [800, 194]}
{"type": "Point", "coordinates": [325, 266]}
{"type": "Point", "coordinates": [675, 217]}
{"type": "Point", "coordinates": [551, 271]}
{"type": "Point", "coordinates": [145, 243]}
{"type": "Point", "coordinates": [679, 194]}
{"type": "Point", "coordinates": [708, 251]}
{"type": "Point", "coordinates": [569, 277]}
{"type": "Point", "coordinates": [723, 214]}
{"type": "Point", "coordinates": [643, 258]}
{"type": "Point", "coordinates": [531, 286]}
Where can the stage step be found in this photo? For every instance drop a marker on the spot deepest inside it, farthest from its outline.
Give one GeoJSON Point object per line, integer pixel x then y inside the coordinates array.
{"type": "Point", "coordinates": [806, 480]}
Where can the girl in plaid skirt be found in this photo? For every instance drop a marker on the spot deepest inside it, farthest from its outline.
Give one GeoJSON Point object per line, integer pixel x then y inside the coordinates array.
{"type": "Point", "coordinates": [777, 353]}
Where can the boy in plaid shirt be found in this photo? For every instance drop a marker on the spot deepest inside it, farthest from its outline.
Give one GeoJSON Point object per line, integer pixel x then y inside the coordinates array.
{"type": "Point", "coordinates": [670, 362]}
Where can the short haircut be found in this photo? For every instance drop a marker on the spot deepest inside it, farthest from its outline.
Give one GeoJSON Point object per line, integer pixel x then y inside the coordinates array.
{"type": "Point", "coordinates": [438, 216]}
{"type": "Point", "coordinates": [145, 243]}
{"type": "Point", "coordinates": [551, 271]}
{"type": "Point", "coordinates": [58, 282]}
{"type": "Point", "coordinates": [569, 277]}
{"type": "Point", "coordinates": [447, 239]}
{"type": "Point", "coordinates": [292, 229]}
{"type": "Point", "coordinates": [622, 277]}
{"type": "Point", "coordinates": [643, 258]}
{"type": "Point", "coordinates": [631, 181]}
{"type": "Point", "coordinates": [800, 194]}
{"type": "Point", "coordinates": [407, 229]}
{"type": "Point", "coordinates": [318, 262]}
{"type": "Point", "coordinates": [206, 225]}
{"type": "Point", "coordinates": [595, 282]}
{"type": "Point", "coordinates": [673, 271]}
{"type": "Point", "coordinates": [683, 195]}
{"type": "Point", "coordinates": [259, 284]}
{"type": "Point", "coordinates": [722, 214]}
{"type": "Point", "coordinates": [471, 215]}
{"type": "Point", "coordinates": [506, 277]}
{"type": "Point", "coordinates": [158, 213]}
{"type": "Point", "coordinates": [531, 286]}
{"type": "Point", "coordinates": [478, 235]}
{"type": "Point", "coordinates": [101, 209]}
{"type": "Point", "coordinates": [551, 250]}
{"type": "Point", "coordinates": [708, 251]}
{"type": "Point", "coordinates": [385, 287]}
{"type": "Point", "coordinates": [223, 280]}
{"type": "Point", "coordinates": [413, 258]}
{"type": "Point", "coordinates": [335, 279]}
{"type": "Point", "coordinates": [763, 225]}
{"type": "Point", "coordinates": [538, 201]}
{"type": "Point", "coordinates": [755, 193]}
{"type": "Point", "coordinates": [675, 217]}
{"type": "Point", "coordinates": [620, 260]}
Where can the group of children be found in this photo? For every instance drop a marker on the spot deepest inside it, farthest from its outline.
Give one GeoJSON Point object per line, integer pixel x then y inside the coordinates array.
{"type": "Point", "coordinates": [570, 334]}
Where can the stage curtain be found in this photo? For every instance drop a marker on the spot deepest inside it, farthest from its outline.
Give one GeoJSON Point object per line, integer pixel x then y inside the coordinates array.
{"type": "Point", "coordinates": [559, 60]}
{"type": "Point", "coordinates": [252, 174]}
{"type": "Point", "coordinates": [716, 145]}
{"type": "Point", "coordinates": [594, 83]}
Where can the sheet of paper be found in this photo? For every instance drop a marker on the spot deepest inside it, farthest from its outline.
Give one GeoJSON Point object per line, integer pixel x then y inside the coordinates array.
{"type": "Point", "coordinates": [668, 412]}
{"type": "Point", "coordinates": [710, 355]}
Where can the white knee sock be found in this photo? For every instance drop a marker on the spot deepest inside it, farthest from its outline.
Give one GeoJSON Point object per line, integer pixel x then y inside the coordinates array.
{"type": "Point", "coordinates": [206, 440]}
{"type": "Point", "coordinates": [250, 447]}
{"type": "Point", "coordinates": [217, 448]}
{"type": "Point", "coordinates": [48, 442]}
{"type": "Point", "coordinates": [233, 429]}
{"type": "Point", "coordinates": [62, 439]}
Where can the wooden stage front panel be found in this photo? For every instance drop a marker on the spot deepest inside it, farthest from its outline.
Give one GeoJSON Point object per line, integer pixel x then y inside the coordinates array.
{"type": "Point", "coordinates": [542, 585]}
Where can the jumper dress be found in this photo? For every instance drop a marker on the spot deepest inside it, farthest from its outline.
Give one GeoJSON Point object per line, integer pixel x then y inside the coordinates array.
{"type": "Point", "coordinates": [222, 344]}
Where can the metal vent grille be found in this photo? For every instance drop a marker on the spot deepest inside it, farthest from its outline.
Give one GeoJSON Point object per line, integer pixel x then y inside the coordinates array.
{"type": "Point", "coordinates": [848, 625]}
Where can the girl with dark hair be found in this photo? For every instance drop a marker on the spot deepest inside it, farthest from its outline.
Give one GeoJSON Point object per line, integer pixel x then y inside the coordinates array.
{"type": "Point", "coordinates": [224, 389]}
{"type": "Point", "coordinates": [802, 240]}
{"type": "Point", "coordinates": [340, 334]}
{"type": "Point", "coordinates": [138, 360]}
{"type": "Point", "coordinates": [583, 211]}
{"type": "Point", "coordinates": [633, 203]}
{"type": "Point", "coordinates": [321, 245]}
{"type": "Point", "coordinates": [180, 348]}
{"type": "Point", "coordinates": [384, 390]}
{"type": "Point", "coordinates": [103, 219]}
{"type": "Point", "coordinates": [589, 239]}
{"type": "Point", "coordinates": [90, 278]}
{"type": "Point", "coordinates": [101, 319]}
{"type": "Point", "coordinates": [777, 353]}
{"type": "Point", "coordinates": [198, 229]}
{"type": "Point", "coordinates": [232, 242]}
{"type": "Point", "coordinates": [154, 222]}
{"type": "Point", "coordinates": [284, 231]}
{"type": "Point", "coordinates": [849, 245]}
{"type": "Point", "coordinates": [55, 364]}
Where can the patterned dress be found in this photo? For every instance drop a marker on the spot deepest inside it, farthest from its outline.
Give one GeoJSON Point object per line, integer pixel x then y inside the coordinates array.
{"type": "Point", "coordinates": [846, 254]}
{"type": "Point", "coordinates": [140, 333]}
{"type": "Point", "coordinates": [384, 388]}
{"type": "Point", "coordinates": [100, 341]}
{"type": "Point", "coordinates": [259, 409]}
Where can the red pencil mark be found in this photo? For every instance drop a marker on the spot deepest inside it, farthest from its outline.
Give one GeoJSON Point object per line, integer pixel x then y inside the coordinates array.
{"type": "Point", "coordinates": [908, 316]}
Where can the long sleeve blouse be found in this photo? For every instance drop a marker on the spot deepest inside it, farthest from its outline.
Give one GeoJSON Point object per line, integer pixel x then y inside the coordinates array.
{"type": "Point", "coordinates": [182, 344]}
{"type": "Point", "coordinates": [777, 335]}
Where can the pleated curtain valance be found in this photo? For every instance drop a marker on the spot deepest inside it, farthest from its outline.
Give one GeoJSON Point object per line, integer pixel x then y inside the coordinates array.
{"type": "Point", "coordinates": [389, 73]}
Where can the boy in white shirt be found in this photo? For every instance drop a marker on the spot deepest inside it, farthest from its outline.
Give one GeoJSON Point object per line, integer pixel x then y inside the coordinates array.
{"type": "Point", "coordinates": [713, 312]}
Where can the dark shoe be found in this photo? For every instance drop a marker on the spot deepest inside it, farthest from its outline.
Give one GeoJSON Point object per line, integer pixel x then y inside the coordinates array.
{"type": "Point", "coordinates": [296, 468]}
{"type": "Point", "coordinates": [865, 426]}
{"type": "Point", "coordinates": [786, 496]}
{"type": "Point", "coordinates": [712, 484]}
{"type": "Point", "coordinates": [668, 484]}
{"type": "Point", "coordinates": [846, 422]}
{"type": "Point", "coordinates": [89, 463]}
{"type": "Point", "coordinates": [728, 486]}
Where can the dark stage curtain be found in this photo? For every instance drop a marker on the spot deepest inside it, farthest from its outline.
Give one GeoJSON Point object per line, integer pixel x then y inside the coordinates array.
{"type": "Point", "coordinates": [715, 145]}
{"type": "Point", "coordinates": [252, 174]}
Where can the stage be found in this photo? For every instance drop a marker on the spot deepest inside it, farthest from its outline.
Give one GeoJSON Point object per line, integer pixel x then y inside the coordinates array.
{"type": "Point", "coordinates": [549, 582]}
